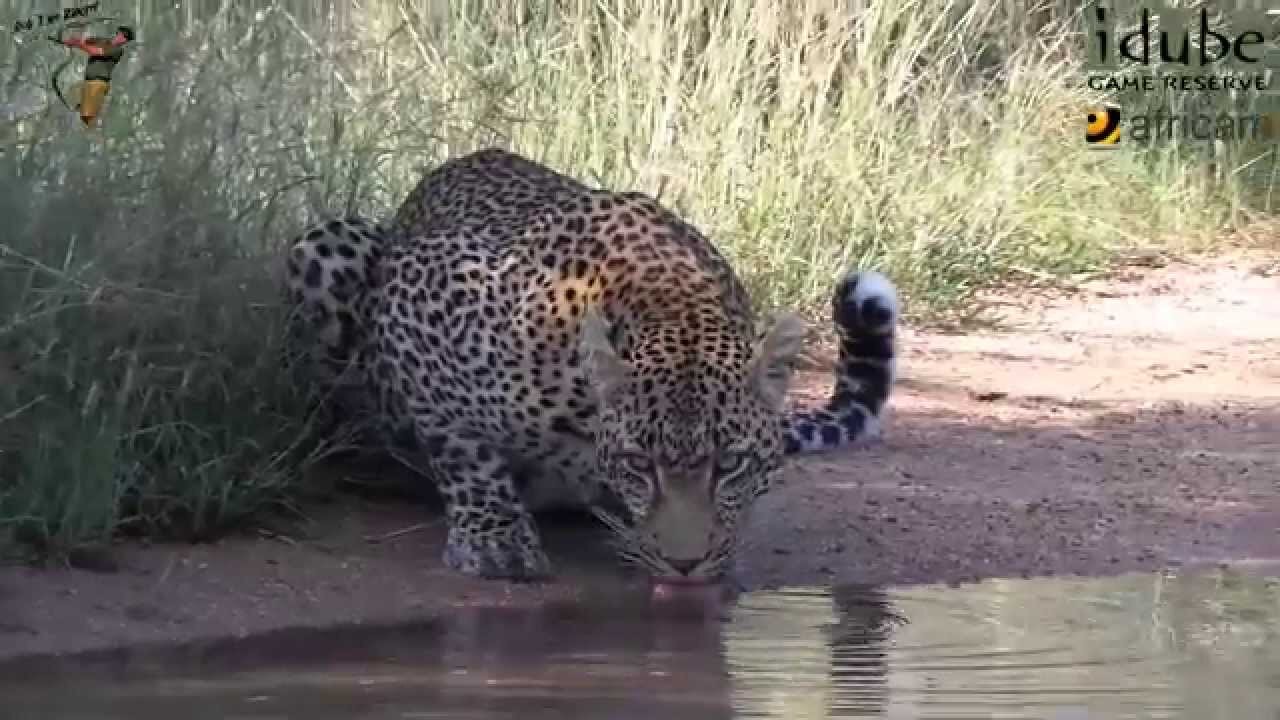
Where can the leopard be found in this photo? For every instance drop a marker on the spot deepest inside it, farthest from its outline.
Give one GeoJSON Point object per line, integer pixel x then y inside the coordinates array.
{"type": "Point", "coordinates": [530, 342]}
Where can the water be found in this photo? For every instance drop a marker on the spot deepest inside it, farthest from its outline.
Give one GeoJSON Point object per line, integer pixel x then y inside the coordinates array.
{"type": "Point", "coordinates": [1200, 645]}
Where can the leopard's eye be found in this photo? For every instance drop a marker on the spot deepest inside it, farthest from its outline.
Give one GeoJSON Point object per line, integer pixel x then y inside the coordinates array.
{"type": "Point", "coordinates": [731, 463]}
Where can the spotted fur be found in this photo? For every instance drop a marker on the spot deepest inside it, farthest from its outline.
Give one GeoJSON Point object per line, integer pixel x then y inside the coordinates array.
{"type": "Point", "coordinates": [540, 343]}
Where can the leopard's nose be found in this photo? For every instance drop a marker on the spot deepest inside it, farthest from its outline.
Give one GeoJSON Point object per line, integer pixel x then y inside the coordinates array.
{"type": "Point", "coordinates": [685, 566]}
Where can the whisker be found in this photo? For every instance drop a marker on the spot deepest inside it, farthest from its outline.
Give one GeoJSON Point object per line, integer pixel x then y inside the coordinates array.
{"type": "Point", "coordinates": [630, 545]}
{"type": "Point", "coordinates": [633, 546]}
{"type": "Point", "coordinates": [643, 560]}
{"type": "Point", "coordinates": [721, 554]}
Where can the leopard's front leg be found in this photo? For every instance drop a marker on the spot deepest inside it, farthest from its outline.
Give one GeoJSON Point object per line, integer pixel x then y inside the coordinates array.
{"type": "Point", "coordinates": [491, 532]}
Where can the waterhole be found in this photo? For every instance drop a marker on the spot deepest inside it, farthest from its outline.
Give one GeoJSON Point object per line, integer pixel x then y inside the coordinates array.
{"type": "Point", "coordinates": [1200, 645]}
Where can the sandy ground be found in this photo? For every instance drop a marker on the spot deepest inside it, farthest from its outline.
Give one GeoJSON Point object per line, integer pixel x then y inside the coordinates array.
{"type": "Point", "coordinates": [1132, 423]}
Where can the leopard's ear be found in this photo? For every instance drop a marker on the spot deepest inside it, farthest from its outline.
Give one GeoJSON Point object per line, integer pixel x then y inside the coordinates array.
{"type": "Point", "coordinates": [606, 372]}
{"type": "Point", "coordinates": [775, 356]}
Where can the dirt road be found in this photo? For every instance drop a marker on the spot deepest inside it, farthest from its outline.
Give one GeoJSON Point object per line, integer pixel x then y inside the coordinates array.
{"type": "Point", "coordinates": [1133, 423]}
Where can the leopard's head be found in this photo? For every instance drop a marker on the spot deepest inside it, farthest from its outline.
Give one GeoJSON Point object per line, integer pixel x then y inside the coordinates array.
{"type": "Point", "coordinates": [689, 432]}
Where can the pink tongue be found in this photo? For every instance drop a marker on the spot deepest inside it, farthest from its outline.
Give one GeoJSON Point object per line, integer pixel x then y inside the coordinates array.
{"type": "Point", "coordinates": [701, 598]}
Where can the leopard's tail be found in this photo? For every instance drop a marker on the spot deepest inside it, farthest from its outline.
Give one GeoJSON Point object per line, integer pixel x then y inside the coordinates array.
{"type": "Point", "coordinates": [330, 271]}
{"type": "Point", "coordinates": [865, 312]}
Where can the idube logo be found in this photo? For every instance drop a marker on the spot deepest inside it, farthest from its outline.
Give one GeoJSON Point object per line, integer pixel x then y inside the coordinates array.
{"type": "Point", "coordinates": [1182, 75]}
